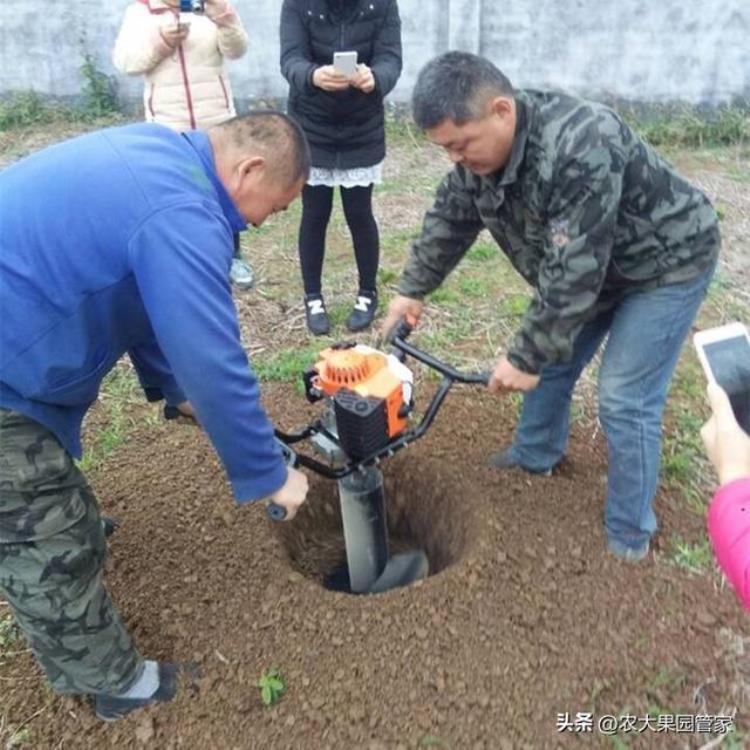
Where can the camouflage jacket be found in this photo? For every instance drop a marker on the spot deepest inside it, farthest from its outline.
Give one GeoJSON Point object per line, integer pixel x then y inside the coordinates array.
{"type": "Point", "coordinates": [584, 210]}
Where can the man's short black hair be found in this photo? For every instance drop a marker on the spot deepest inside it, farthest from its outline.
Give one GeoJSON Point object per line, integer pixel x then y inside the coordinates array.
{"type": "Point", "coordinates": [276, 136]}
{"type": "Point", "coordinates": [455, 86]}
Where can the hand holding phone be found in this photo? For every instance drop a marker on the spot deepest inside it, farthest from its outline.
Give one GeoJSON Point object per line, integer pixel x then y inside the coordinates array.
{"type": "Point", "coordinates": [724, 353]}
{"type": "Point", "coordinates": [727, 445]}
{"type": "Point", "coordinates": [328, 79]}
{"type": "Point", "coordinates": [174, 34]}
{"type": "Point", "coordinates": [363, 79]}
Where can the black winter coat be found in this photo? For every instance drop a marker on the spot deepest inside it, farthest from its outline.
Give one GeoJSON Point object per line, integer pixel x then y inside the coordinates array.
{"type": "Point", "coordinates": [344, 128]}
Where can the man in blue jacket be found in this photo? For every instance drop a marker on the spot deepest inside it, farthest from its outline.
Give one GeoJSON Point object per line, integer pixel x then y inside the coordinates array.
{"type": "Point", "coordinates": [118, 242]}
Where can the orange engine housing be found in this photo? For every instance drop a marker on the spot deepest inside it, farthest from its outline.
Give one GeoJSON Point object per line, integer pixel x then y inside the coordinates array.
{"type": "Point", "coordinates": [372, 376]}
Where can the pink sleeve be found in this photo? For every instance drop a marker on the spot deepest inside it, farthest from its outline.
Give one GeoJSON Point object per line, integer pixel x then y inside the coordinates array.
{"type": "Point", "coordinates": [729, 531]}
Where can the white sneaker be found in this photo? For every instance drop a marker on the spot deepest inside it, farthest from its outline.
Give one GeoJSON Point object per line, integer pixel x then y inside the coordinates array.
{"type": "Point", "coordinates": [241, 274]}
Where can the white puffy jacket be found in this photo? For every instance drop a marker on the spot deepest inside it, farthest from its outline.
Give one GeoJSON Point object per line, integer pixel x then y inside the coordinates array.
{"type": "Point", "coordinates": [185, 87]}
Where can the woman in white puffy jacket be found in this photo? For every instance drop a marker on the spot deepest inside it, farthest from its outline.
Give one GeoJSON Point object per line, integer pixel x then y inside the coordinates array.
{"type": "Point", "coordinates": [182, 59]}
{"type": "Point", "coordinates": [183, 63]}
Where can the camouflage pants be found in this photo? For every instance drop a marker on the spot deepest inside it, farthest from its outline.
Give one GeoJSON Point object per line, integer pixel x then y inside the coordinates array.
{"type": "Point", "coordinates": [52, 552]}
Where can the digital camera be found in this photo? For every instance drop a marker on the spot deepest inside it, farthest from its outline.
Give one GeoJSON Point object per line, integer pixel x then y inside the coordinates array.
{"type": "Point", "coordinates": [192, 6]}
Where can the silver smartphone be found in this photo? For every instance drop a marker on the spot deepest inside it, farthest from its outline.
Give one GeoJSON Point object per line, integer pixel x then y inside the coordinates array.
{"type": "Point", "coordinates": [345, 63]}
{"type": "Point", "coordinates": [724, 353]}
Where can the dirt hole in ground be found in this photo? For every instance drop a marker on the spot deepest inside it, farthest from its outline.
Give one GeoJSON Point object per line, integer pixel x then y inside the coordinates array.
{"type": "Point", "coordinates": [423, 513]}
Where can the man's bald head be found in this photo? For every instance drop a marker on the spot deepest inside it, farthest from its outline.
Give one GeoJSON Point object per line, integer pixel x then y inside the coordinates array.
{"type": "Point", "coordinates": [269, 134]}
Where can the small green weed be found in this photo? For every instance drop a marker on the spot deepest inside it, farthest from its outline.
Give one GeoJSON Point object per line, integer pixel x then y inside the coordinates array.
{"type": "Point", "coordinates": [483, 251]}
{"type": "Point", "coordinates": [695, 557]}
{"type": "Point", "coordinates": [99, 91]}
{"type": "Point", "coordinates": [514, 304]}
{"type": "Point", "coordinates": [666, 677]}
{"type": "Point", "coordinates": [8, 632]}
{"type": "Point", "coordinates": [271, 685]}
{"type": "Point", "coordinates": [19, 738]}
{"type": "Point", "coordinates": [430, 740]}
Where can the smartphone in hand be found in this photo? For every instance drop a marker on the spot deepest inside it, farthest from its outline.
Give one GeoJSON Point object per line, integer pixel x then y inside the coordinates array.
{"type": "Point", "coordinates": [724, 353]}
{"type": "Point", "coordinates": [345, 63]}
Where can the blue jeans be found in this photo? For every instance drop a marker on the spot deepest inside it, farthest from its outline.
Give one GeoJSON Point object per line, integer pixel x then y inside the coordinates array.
{"type": "Point", "coordinates": [646, 331]}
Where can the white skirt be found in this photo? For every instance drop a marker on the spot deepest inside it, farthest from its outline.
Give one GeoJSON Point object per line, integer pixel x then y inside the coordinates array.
{"type": "Point", "coordinates": [346, 178]}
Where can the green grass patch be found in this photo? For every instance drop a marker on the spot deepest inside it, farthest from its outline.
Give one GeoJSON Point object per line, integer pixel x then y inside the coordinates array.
{"type": "Point", "coordinates": [481, 252]}
{"type": "Point", "coordinates": [445, 296]}
{"type": "Point", "coordinates": [696, 558]}
{"type": "Point", "coordinates": [691, 127]}
{"type": "Point", "coordinates": [98, 100]}
{"type": "Point", "coordinates": [397, 243]}
{"type": "Point", "coordinates": [474, 287]}
{"type": "Point", "coordinates": [388, 276]}
{"type": "Point", "coordinates": [442, 342]}
{"type": "Point", "coordinates": [27, 108]}
{"type": "Point", "coordinates": [684, 466]}
{"type": "Point", "coordinates": [514, 305]}
{"type": "Point", "coordinates": [286, 366]}
{"type": "Point", "coordinates": [119, 395]}
{"type": "Point", "coordinates": [400, 128]}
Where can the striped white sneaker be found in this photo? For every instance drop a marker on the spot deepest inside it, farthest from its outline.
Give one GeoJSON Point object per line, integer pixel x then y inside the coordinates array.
{"type": "Point", "coordinates": [316, 315]}
{"type": "Point", "coordinates": [364, 311]}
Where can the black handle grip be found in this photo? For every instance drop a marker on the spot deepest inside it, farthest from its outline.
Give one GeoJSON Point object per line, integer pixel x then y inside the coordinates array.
{"type": "Point", "coordinates": [403, 330]}
{"type": "Point", "coordinates": [481, 378]}
{"type": "Point", "coordinates": [276, 512]}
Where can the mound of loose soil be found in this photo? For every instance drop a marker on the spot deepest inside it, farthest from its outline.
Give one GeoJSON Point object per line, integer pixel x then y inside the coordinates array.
{"type": "Point", "coordinates": [527, 617]}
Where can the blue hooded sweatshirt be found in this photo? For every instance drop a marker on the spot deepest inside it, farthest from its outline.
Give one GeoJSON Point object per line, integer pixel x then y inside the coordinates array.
{"type": "Point", "coordinates": [121, 241]}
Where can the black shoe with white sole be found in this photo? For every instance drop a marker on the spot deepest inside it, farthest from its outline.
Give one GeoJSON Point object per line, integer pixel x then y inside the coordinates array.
{"type": "Point", "coordinates": [113, 707]}
{"type": "Point", "coordinates": [363, 313]}
{"type": "Point", "coordinates": [316, 315]}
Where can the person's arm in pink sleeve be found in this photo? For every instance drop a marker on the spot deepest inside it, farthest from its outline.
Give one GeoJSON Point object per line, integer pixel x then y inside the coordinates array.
{"type": "Point", "coordinates": [728, 447]}
{"type": "Point", "coordinates": [729, 531]}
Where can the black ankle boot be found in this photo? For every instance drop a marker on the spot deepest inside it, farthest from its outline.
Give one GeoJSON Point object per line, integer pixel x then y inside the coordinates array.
{"type": "Point", "coordinates": [364, 311]}
{"type": "Point", "coordinates": [316, 315]}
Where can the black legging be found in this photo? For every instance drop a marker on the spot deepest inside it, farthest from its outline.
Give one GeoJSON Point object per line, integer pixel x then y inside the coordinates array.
{"type": "Point", "coordinates": [317, 202]}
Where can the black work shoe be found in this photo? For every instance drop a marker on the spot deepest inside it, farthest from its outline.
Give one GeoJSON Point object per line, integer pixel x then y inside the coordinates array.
{"type": "Point", "coordinates": [506, 460]}
{"type": "Point", "coordinates": [316, 315]}
{"type": "Point", "coordinates": [112, 707]}
{"type": "Point", "coordinates": [364, 311]}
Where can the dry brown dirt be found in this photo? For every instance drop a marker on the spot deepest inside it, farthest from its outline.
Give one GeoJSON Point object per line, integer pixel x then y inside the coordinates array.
{"type": "Point", "coordinates": [528, 616]}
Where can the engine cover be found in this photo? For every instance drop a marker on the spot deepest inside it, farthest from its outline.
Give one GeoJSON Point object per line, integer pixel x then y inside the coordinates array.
{"type": "Point", "coordinates": [362, 423]}
{"type": "Point", "coordinates": [371, 393]}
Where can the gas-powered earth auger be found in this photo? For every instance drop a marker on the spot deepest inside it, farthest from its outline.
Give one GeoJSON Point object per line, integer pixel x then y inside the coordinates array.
{"type": "Point", "coordinates": [368, 404]}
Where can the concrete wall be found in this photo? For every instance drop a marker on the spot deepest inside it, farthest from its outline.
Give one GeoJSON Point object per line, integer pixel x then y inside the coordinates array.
{"type": "Point", "coordinates": [696, 51]}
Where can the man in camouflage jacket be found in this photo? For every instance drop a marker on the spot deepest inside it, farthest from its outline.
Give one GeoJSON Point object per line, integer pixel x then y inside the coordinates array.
{"type": "Point", "coordinates": [613, 241]}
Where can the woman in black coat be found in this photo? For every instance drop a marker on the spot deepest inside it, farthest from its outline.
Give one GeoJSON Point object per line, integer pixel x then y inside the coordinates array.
{"type": "Point", "coordinates": [344, 121]}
